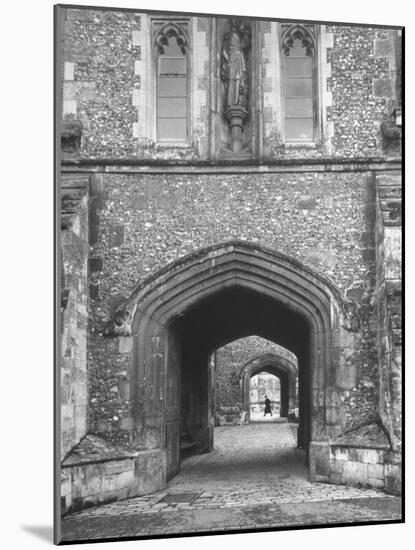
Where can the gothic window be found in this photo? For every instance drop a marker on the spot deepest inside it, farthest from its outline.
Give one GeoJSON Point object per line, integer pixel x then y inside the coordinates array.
{"type": "Point", "coordinates": [172, 83]}
{"type": "Point", "coordinates": [299, 83]}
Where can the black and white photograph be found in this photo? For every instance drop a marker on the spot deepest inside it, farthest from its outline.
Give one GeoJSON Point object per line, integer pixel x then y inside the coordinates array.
{"type": "Point", "coordinates": [228, 272]}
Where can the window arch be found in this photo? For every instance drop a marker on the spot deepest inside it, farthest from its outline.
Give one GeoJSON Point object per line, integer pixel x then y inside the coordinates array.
{"type": "Point", "coordinates": [172, 47]}
{"type": "Point", "coordinates": [299, 83]}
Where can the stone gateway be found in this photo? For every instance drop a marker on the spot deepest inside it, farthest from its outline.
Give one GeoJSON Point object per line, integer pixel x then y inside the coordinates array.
{"type": "Point", "coordinates": [230, 206]}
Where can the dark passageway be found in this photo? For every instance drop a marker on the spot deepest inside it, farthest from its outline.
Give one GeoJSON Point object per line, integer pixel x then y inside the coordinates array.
{"type": "Point", "coordinates": [224, 317]}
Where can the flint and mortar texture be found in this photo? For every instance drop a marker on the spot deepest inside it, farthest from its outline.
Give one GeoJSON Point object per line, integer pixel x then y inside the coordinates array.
{"type": "Point", "coordinates": [110, 88]}
{"type": "Point", "coordinates": [99, 43]}
{"type": "Point", "coordinates": [149, 221]}
{"type": "Point", "coordinates": [357, 105]}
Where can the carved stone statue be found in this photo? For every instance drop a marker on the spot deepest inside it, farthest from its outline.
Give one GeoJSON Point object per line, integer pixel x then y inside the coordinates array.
{"type": "Point", "coordinates": [233, 72]}
{"type": "Point", "coordinates": [233, 63]}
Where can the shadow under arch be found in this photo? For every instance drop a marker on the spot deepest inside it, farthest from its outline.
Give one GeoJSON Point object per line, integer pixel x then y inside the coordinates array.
{"type": "Point", "coordinates": [279, 366]}
{"type": "Point", "coordinates": [195, 305]}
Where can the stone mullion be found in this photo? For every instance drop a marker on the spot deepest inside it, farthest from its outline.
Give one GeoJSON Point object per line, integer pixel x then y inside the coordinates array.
{"type": "Point", "coordinates": [142, 97]}
{"type": "Point", "coordinates": [271, 71]}
{"type": "Point", "coordinates": [325, 45]}
{"type": "Point", "coordinates": [200, 84]}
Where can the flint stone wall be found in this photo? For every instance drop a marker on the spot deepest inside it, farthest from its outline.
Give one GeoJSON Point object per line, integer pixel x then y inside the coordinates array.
{"type": "Point", "coordinates": [146, 221]}
{"type": "Point", "coordinates": [107, 66]}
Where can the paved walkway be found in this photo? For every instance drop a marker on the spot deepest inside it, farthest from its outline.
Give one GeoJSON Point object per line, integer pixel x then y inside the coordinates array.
{"type": "Point", "coordinates": [255, 478]}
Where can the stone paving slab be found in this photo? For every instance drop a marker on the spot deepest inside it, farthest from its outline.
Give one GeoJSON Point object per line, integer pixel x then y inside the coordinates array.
{"type": "Point", "coordinates": [255, 478]}
{"type": "Point", "coordinates": [343, 511]}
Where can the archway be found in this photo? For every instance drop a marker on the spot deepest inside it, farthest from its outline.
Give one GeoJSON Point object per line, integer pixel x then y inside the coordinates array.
{"type": "Point", "coordinates": [265, 385]}
{"type": "Point", "coordinates": [199, 303]}
{"type": "Point", "coordinates": [282, 368]}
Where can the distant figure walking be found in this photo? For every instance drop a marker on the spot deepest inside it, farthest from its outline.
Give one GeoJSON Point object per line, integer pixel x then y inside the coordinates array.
{"type": "Point", "coordinates": [267, 409]}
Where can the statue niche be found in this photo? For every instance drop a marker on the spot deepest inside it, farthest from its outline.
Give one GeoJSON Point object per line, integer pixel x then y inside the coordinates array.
{"type": "Point", "coordinates": [233, 73]}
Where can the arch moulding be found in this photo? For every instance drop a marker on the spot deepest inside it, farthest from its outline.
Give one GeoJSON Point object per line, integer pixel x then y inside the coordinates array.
{"type": "Point", "coordinates": [280, 367]}
{"type": "Point", "coordinates": [181, 284]}
{"type": "Point", "coordinates": [149, 313]}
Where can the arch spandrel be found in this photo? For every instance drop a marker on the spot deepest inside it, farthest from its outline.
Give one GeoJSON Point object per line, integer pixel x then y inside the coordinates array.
{"type": "Point", "coordinates": [183, 283]}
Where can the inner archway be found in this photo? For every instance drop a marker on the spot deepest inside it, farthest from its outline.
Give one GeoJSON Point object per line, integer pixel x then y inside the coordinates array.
{"type": "Point", "coordinates": [225, 316]}
{"type": "Point", "coordinates": [236, 362]}
{"type": "Point", "coordinates": [284, 367]}
{"type": "Point", "coordinates": [192, 307]}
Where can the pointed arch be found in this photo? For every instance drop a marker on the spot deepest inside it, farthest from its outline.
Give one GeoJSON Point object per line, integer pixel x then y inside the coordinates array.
{"type": "Point", "coordinates": [168, 30]}
{"type": "Point", "coordinates": [177, 287]}
{"type": "Point", "coordinates": [173, 336]}
{"type": "Point", "coordinates": [300, 83]}
{"type": "Point", "coordinates": [298, 32]}
{"type": "Point", "coordinates": [279, 366]}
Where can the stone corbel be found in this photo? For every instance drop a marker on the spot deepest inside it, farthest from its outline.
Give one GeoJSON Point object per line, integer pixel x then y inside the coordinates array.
{"type": "Point", "coordinates": [71, 135]}
{"type": "Point", "coordinates": [120, 324]}
{"type": "Point", "coordinates": [236, 116]}
{"type": "Point", "coordinates": [234, 379]}
{"type": "Point", "coordinates": [391, 132]}
{"type": "Point", "coordinates": [64, 298]}
{"type": "Point", "coordinates": [351, 320]}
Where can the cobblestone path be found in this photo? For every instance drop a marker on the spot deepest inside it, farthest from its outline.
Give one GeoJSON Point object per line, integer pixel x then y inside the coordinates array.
{"type": "Point", "coordinates": [255, 478]}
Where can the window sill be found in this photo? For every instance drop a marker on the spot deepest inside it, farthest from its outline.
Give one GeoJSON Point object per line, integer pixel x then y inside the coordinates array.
{"type": "Point", "coordinates": [173, 145]}
{"type": "Point", "coordinates": [306, 144]}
